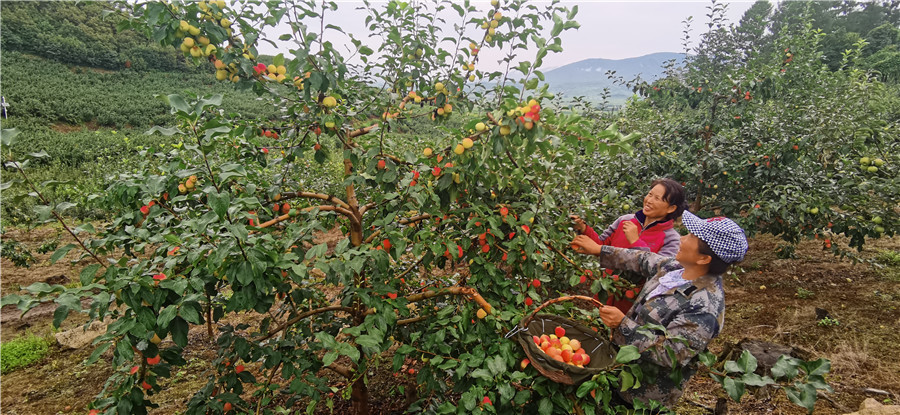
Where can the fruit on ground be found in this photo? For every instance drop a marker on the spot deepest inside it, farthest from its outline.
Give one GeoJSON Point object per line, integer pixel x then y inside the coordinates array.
{"type": "Point", "coordinates": [153, 360]}
{"type": "Point", "coordinates": [155, 339]}
{"type": "Point", "coordinates": [239, 368]}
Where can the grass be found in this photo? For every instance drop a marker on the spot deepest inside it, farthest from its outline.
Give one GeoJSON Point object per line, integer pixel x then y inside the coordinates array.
{"type": "Point", "coordinates": [22, 352]}
{"type": "Point", "coordinates": [891, 262]}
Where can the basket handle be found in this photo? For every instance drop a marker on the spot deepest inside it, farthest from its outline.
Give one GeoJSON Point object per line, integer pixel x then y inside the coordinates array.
{"type": "Point", "coordinates": [527, 320]}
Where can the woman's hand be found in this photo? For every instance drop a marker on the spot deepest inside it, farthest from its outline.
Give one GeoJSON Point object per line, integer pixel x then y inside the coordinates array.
{"type": "Point", "coordinates": [578, 223]}
{"type": "Point", "coordinates": [632, 232]}
{"type": "Point", "coordinates": [583, 244]}
{"type": "Point", "coordinates": [611, 316]}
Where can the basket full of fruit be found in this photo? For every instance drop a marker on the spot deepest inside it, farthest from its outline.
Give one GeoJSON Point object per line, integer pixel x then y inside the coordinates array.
{"type": "Point", "coordinates": [561, 349]}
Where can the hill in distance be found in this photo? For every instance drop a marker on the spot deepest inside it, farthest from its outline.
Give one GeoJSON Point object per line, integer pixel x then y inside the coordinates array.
{"type": "Point", "coordinates": [589, 77]}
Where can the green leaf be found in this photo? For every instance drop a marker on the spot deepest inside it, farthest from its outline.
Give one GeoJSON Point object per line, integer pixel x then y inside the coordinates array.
{"type": "Point", "coordinates": [753, 379]}
{"type": "Point", "coordinates": [803, 395]}
{"type": "Point", "coordinates": [482, 373]}
{"type": "Point", "coordinates": [585, 388]}
{"type": "Point", "coordinates": [88, 274]}
{"type": "Point", "coordinates": [627, 354]}
{"type": "Point", "coordinates": [61, 252]}
{"type": "Point", "coordinates": [8, 136]}
{"type": "Point", "coordinates": [166, 316]}
{"type": "Point", "coordinates": [545, 407]}
{"type": "Point", "coordinates": [496, 365]}
{"type": "Point", "coordinates": [785, 367]}
{"type": "Point", "coordinates": [178, 103]}
{"type": "Point", "coordinates": [179, 330]}
{"type": "Point", "coordinates": [708, 359]}
{"type": "Point", "coordinates": [59, 315]}
{"type": "Point", "coordinates": [734, 388]}
{"type": "Point", "coordinates": [219, 203]}
{"type": "Point", "coordinates": [368, 340]}
{"type": "Point", "coordinates": [626, 380]}
{"type": "Point", "coordinates": [817, 367]}
{"type": "Point", "coordinates": [747, 362]}
{"type": "Point", "coordinates": [189, 313]}
{"type": "Point", "coordinates": [329, 358]}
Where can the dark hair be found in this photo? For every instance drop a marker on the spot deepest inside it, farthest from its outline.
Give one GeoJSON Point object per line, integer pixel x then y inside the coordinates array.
{"type": "Point", "coordinates": [673, 195]}
{"type": "Point", "coordinates": [716, 265]}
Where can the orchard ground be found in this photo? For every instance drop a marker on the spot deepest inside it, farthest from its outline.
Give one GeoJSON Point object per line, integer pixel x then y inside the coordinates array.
{"type": "Point", "coordinates": [768, 299]}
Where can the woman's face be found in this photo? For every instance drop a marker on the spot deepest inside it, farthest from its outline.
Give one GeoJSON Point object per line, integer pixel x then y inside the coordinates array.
{"type": "Point", "coordinates": [654, 205]}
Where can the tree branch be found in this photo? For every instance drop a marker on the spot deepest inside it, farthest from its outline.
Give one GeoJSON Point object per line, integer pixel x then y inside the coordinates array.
{"type": "Point", "coordinates": [311, 195]}
{"type": "Point", "coordinates": [299, 317]}
{"type": "Point", "coordinates": [283, 218]}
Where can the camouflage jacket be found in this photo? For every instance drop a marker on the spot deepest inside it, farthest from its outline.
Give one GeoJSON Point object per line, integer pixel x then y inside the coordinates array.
{"type": "Point", "coordinates": [694, 311]}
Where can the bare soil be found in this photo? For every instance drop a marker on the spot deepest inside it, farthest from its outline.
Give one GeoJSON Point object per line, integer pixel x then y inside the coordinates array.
{"type": "Point", "coordinates": [768, 299]}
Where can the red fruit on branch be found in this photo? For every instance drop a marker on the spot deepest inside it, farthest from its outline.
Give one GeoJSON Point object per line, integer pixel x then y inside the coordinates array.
{"type": "Point", "coordinates": [536, 283]}
{"type": "Point", "coordinates": [238, 368]}
{"type": "Point", "coordinates": [528, 301]}
{"type": "Point", "coordinates": [153, 360]}
{"type": "Point", "coordinates": [381, 164]}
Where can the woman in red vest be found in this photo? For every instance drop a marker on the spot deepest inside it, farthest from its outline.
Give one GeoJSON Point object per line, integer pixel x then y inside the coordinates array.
{"type": "Point", "coordinates": [649, 229]}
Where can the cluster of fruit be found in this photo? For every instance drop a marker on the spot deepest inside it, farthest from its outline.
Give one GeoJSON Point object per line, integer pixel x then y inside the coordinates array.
{"type": "Point", "coordinates": [224, 71]}
{"type": "Point", "coordinates": [491, 25]}
{"type": "Point", "coordinates": [269, 133]}
{"type": "Point", "coordinates": [272, 72]}
{"type": "Point", "coordinates": [870, 165]}
{"type": "Point", "coordinates": [561, 348]}
{"type": "Point", "coordinates": [189, 185]}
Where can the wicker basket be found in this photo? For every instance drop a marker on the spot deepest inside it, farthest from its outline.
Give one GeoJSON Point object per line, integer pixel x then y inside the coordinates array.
{"type": "Point", "coordinates": [598, 347]}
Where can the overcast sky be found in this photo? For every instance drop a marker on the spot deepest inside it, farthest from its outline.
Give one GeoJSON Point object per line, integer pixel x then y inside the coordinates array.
{"type": "Point", "coordinates": [609, 29]}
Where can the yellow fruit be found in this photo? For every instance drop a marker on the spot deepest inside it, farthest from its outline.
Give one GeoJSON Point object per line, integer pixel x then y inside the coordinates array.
{"type": "Point", "coordinates": [185, 48]}
{"type": "Point", "coordinates": [494, 24]}
{"type": "Point", "coordinates": [440, 111]}
{"type": "Point", "coordinates": [194, 31]}
{"type": "Point", "coordinates": [471, 78]}
{"type": "Point", "coordinates": [498, 16]}
{"type": "Point", "coordinates": [427, 152]}
{"type": "Point", "coordinates": [203, 40]}
{"type": "Point", "coordinates": [456, 178]}
{"type": "Point", "coordinates": [196, 52]}
{"type": "Point", "coordinates": [505, 130]}
{"type": "Point", "coordinates": [184, 26]}
{"type": "Point", "coordinates": [188, 42]}
{"type": "Point", "coordinates": [488, 38]}
{"type": "Point", "coordinates": [481, 313]}
{"type": "Point", "coordinates": [491, 31]}
{"type": "Point", "coordinates": [495, 3]}
{"type": "Point", "coordinates": [220, 3]}
{"type": "Point", "coordinates": [221, 75]}
{"type": "Point", "coordinates": [471, 66]}
{"type": "Point", "coordinates": [532, 103]}
{"type": "Point", "coordinates": [480, 127]}
{"type": "Point", "coordinates": [272, 69]}
{"type": "Point", "coordinates": [484, 25]}
{"type": "Point", "coordinates": [329, 124]}
{"type": "Point", "coordinates": [418, 99]}
{"type": "Point", "coordinates": [439, 86]}
{"type": "Point", "coordinates": [329, 102]}
{"type": "Point", "coordinates": [280, 78]}
{"type": "Point", "coordinates": [210, 49]}
{"type": "Point", "coordinates": [473, 45]}
{"type": "Point", "coordinates": [219, 64]}
{"type": "Point", "coordinates": [203, 5]}
{"type": "Point", "coordinates": [448, 108]}
{"type": "Point", "coordinates": [467, 143]}
{"type": "Point", "coordinates": [235, 78]}
{"type": "Point", "coordinates": [459, 149]}
{"type": "Point", "coordinates": [225, 22]}
{"type": "Point", "coordinates": [155, 339]}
